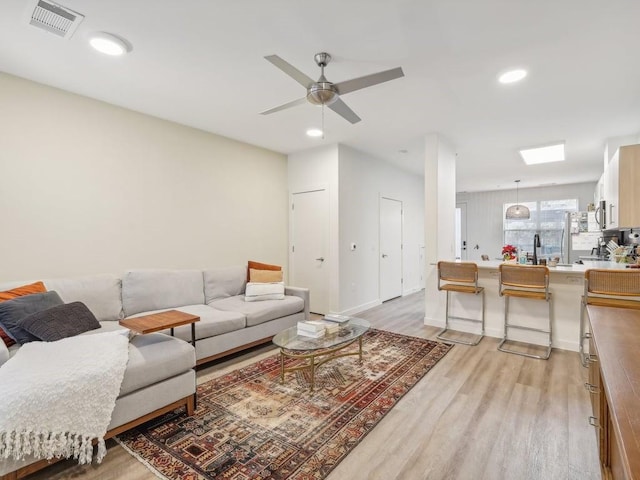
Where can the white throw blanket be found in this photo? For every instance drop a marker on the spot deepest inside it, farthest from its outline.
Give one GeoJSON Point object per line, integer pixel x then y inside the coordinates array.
{"type": "Point", "coordinates": [56, 397]}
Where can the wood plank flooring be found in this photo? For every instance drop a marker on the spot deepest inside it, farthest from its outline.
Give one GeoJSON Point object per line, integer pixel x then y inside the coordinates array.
{"type": "Point", "coordinates": [478, 414]}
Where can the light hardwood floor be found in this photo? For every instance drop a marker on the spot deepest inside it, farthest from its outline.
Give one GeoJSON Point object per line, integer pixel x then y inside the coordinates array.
{"type": "Point", "coordinates": [478, 414]}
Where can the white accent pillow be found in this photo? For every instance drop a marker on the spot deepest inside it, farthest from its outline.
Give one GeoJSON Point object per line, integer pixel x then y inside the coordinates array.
{"type": "Point", "coordinates": [264, 291]}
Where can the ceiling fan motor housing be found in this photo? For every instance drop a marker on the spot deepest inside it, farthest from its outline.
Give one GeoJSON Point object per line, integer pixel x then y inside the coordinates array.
{"type": "Point", "coordinates": [322, 93]}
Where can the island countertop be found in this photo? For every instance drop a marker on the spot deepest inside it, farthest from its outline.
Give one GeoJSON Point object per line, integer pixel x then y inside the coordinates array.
{"type": "Point", "coordinates": [574, 268]}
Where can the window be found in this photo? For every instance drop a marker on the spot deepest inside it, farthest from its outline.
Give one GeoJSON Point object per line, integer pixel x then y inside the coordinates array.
{"type": "Point", "coordinates": [547, 220]}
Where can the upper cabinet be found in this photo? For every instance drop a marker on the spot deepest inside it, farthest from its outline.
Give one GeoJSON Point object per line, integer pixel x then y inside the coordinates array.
{"type": "Point", "coordinates": [621, 188]}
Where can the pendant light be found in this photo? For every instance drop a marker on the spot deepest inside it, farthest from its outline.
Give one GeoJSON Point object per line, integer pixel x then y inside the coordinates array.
{"type": "Point", "coordinates": [517, 211]}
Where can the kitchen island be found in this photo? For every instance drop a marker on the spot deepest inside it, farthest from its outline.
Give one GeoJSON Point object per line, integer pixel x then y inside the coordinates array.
{"type": "Point", "coordinates": [566, 283]}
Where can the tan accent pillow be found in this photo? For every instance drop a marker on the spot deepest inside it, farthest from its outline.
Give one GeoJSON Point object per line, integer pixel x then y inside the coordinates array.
{"type": "Point", "coordinates": [265, 276]}
{"type": "Point", "coordinates": [260, 266]}
{"type": "Point", "coordinates": [37, 287]}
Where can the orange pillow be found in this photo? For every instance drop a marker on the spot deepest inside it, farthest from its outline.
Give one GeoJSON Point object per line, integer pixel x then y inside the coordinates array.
{"type": "Point", "coordinates": [37, 287]}
{"type": "Point", "coordinates": [260, 266]}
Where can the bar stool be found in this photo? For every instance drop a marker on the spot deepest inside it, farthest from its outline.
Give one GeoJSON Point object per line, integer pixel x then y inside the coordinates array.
{"type": "Point", "coordinates": [524, 281]}
{"type": "Point", "coordinates": [462, 277]}
{"type": "Point", "coordinates": [607, 288]}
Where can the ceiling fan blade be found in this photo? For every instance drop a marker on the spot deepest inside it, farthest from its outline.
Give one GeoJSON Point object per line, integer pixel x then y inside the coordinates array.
{"type": "Point", "coordinates": [290, 70]}
{"type": "Point", "coordinates": [345, 112]}
{"type": "Point", "coordinates": [299, 101]}
{"type": "Point", "coordinates": [368, 80]}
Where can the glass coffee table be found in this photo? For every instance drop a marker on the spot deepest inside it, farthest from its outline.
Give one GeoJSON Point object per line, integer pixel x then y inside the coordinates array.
{"type": "Point", "coordinates": [319, 350]}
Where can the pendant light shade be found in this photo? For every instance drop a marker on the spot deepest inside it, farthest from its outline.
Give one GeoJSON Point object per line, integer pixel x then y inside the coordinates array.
{"type": "Point", "coordinates": [517, 211]}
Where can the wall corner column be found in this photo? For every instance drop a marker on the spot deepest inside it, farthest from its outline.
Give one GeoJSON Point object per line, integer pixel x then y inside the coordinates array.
{"type": "Point", "coordinates": [439, 222]}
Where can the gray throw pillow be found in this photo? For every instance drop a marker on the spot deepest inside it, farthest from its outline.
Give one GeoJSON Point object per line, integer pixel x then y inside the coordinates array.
{"type": "Point", "coordinates": [12, 311]}
{"type": "Point", "coordinates": [60, 322]}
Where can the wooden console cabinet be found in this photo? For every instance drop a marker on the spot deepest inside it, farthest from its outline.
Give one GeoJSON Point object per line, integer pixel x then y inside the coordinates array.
{"type": "Point", "coordinates": [614, 385]}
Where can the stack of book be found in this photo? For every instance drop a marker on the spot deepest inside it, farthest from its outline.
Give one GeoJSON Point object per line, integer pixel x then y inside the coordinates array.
{"type": "Point", "coordinates": [317, 328]}
{"type": "Point", "coordinates": [334, 317]}
{"type": "Point", "coordinates": [311, 328]}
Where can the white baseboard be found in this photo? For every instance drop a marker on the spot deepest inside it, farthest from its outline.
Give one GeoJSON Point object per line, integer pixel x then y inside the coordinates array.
{"type": "Point", "coordinates": [412, 290]}
{"type": "Point", "coordinates": [361, 308]}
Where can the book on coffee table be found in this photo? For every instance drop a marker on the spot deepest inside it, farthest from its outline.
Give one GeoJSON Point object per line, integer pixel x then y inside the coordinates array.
{"type": "Point", "coordinates": [334, 317]}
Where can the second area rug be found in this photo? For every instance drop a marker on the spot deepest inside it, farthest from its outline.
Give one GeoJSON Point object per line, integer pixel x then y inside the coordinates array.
{"type": "Point", "coordinates": [249, 425]}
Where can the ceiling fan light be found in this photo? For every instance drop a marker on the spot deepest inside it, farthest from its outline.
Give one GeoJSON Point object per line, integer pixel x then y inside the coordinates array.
{"type": "Point", "coordinates": [322, 93]}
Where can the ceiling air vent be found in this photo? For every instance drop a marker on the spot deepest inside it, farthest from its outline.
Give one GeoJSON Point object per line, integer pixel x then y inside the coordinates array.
{"type": "Point", "coordinates": [55, 18]}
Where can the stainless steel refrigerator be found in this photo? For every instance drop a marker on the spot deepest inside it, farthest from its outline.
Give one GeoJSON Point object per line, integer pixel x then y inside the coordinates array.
{"type": "Point", "coordinates": [580, 235]}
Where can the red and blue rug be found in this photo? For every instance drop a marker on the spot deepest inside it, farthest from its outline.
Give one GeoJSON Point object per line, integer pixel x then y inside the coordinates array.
{"type": "Point", "coordinates": [249, 425]}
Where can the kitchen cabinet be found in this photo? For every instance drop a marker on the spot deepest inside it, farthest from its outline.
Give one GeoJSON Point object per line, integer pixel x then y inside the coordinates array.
{"type": "Point", "coordinates": [621, 182]}
{"type": "Point", "coordinates": [614, 373]}
{"type": "Point", "coordinates": [598, 193]}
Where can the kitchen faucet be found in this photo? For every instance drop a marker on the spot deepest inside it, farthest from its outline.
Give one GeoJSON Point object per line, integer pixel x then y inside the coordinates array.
{"type": "Point", "coordinates": [536, 244]}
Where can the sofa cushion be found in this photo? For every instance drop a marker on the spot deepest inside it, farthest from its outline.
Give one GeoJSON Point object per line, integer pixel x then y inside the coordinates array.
{"type": "Point", "coordinates": [60, 322]}
{"type": "Point", "coordinates": [12, 311]}
{"type": "Point", "coordinates": [154, 357]}
{"type": "Point", "coordinates": [260, 312]}
{"type": "Point", "coordinates": [212, 321]}
{"type": "Point", "coordinates": [224, 282]}
{"type": "Point", "coordinates": [147, 290]}
{"type": "Point", "coordinates": [100, 293]}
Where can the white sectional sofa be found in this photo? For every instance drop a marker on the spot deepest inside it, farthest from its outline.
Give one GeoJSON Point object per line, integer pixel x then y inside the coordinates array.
{"type": "Point", "coordinates": [160, 373]}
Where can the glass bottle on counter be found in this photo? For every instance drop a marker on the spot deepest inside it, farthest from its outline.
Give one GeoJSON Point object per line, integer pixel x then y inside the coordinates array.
{"type": "Point", "coordinates": [522, 258]}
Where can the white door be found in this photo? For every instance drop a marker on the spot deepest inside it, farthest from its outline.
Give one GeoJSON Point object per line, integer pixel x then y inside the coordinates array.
{"type": "Point", "coordinates": [310, 246]}
{"type": "Point", "coordinates": [390, 248]}
{"type": "Point", "coordinates": [461, 231]}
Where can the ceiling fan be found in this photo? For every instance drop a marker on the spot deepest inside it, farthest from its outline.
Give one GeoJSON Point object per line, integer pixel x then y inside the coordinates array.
{"type": "Point", "coordinates": [324, 92]}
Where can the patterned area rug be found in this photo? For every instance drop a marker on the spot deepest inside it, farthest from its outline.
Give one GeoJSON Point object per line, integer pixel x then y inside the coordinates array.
{"type": "Point", "coordinates": [248, 425]}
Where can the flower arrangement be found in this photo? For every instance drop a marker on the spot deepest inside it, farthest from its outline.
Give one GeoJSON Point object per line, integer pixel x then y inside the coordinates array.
{"type": "Point", "coordinates": [509, 252]}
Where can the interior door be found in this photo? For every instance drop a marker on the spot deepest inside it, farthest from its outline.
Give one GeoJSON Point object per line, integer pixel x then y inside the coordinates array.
{"type": "Point", "coordinates": [461, 231]}
{"type": "Point", "coordinates": [390, 248]}
{"type": "Point", "coordinates": [310, 246]}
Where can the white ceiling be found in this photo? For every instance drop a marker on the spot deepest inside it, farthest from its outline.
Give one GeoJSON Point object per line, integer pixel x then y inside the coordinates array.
{"type": "Point", "coordinates": [200, 63]}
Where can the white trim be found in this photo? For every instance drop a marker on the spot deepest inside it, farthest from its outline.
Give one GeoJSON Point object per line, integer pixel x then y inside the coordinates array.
{"type": "Point", "coordinates": [361, 308]}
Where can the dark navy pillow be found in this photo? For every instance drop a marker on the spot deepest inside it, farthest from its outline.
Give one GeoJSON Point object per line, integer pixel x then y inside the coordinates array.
{"type": "Point", "coordinates": [12, 311]}
{"type": "Point", "coordinates": [60, 322]}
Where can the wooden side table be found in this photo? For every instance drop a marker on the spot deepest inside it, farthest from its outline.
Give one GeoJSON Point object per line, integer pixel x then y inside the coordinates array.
{"type": "Point", "coordinates": [156, 322]}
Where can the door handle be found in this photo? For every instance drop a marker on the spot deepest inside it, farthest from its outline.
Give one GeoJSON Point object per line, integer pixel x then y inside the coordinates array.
{"type": "Point", "coordinates": [321, 259]}
{"type": "Point", "coordinates": [384, 255]}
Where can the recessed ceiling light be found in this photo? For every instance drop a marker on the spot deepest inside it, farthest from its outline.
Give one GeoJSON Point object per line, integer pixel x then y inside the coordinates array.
{"type": "Point", "coordinates": [512, 76]}
{"type": "Point", "coordinates": [109, 44]}
{"type": "Point", "coordinates": [404, 150]}
{"type": "Point", "coordinates": [546, 154]}
{"type": "Point", "coordinates": [314, 132]}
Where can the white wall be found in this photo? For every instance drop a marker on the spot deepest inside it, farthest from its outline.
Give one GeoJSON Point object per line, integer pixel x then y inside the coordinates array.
{"type": "Point", "coordinates": [485, 215]}
{"type": "Point", "coordinates": [87, 187]}
{"type": "Point", "coordinates": [355, 181]}
{"type": "Point", "coordinates": [363, 180]}
{"type": "Point", "coordinates": [318, 169]}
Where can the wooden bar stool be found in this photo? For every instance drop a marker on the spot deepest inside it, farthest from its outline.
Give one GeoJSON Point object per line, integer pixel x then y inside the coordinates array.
{"type": "Point", "coordinates": [524, 281]}
{"type": "Point", "coordinates": [607, 288]}
{"type": "Point", "coordinates": [462, 277]}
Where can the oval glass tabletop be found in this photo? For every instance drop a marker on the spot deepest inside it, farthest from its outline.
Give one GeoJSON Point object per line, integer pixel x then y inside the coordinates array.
{"type": "Point", "coordinates": [348, 332]}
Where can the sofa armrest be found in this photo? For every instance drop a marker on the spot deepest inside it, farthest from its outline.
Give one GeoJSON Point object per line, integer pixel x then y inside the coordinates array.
{"type": "Point", "coordinates": [303, 293]}
{"type": "Point", "coordinates": [4, 351]}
